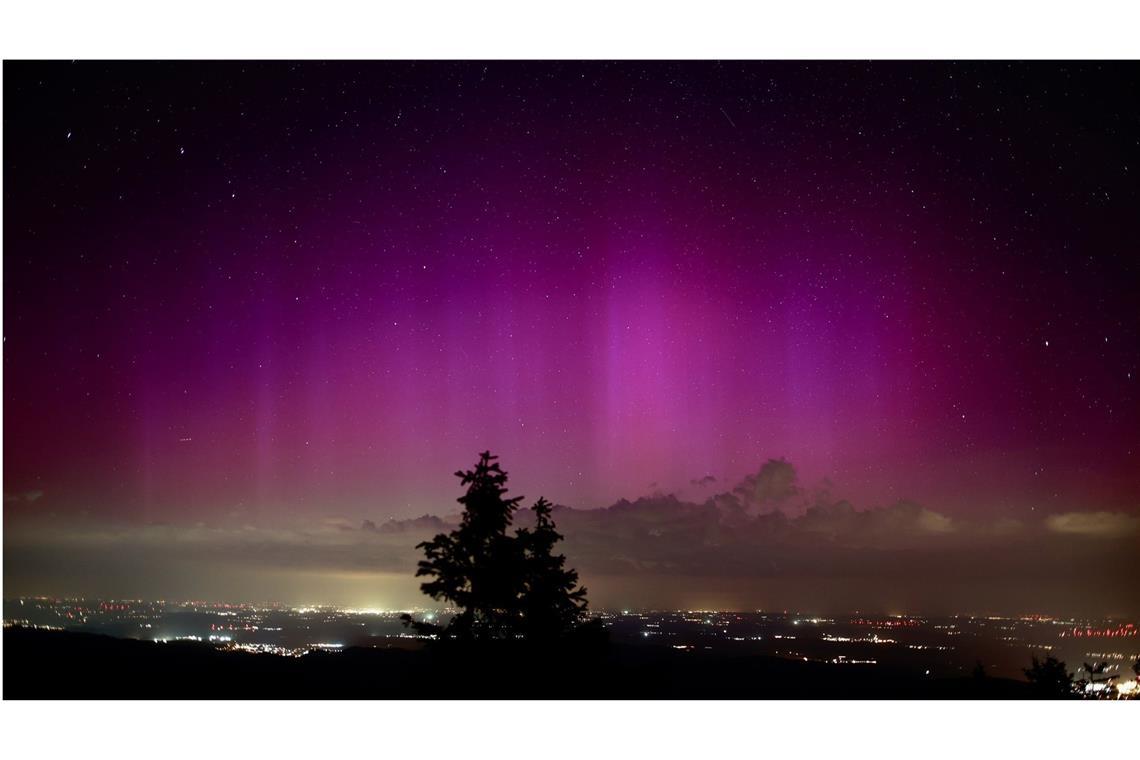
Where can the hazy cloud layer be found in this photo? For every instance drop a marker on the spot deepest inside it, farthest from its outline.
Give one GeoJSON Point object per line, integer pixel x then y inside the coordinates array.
{"type": "Point", "coordinates": [1107, 524]}
{"type": "Point", "coordinates": [739, 548]}
{"type": "Point", "coordinates": [24, 497]}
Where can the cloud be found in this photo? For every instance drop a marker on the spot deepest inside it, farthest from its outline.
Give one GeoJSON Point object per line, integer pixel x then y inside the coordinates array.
{"type": "Point", "coordinates": [841, 522]}
{"type": "Point", "coordinates": [328, 544]}
{"type": "Point", "coordinates": [26, 497]}
{"type": "Point", "coordinates": [1099, 524]}
{"type": "Point", "coordinates": [424, 524]}
{"type": "Point", "coordinates": [774, 485]}
{"type": "Point", "coordinates": [762, 537]}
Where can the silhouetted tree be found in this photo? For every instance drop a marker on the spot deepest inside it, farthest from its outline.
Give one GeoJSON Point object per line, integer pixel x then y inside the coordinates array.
{"type": "Point", "coordinates": [505, 586]}
{"type": "Point", "coordinates": [477, 566]}
{"type": "Point", "coordinates": [553, 603]}
{"type": "Point", "coordinates": [1096, 672]}
{"type": "Point", "coordinates": [1083, 681]}
{"type": "Point", "coordinates": [1050, 678]}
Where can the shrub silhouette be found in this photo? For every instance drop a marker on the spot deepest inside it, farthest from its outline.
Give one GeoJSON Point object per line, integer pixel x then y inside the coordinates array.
{"type": "Point", "coordinates": [506, 586]}
{"type": "Point", "coordinates": [1050, 678]}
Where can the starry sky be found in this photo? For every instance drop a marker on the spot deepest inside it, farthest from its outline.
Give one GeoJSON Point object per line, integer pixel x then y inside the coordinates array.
{"type": "Point", "coordinates": [305, 290]}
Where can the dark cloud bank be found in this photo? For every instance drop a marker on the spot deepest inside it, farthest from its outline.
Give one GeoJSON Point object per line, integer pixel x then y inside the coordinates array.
{"type": "Point", "coordinates": [766, 543]}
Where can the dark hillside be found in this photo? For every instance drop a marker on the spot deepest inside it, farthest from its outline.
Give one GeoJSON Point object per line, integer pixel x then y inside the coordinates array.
{"type": "Point", "coordinates": [62, 665]}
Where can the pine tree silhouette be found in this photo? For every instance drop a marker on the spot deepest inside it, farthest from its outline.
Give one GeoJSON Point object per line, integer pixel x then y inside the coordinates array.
{"type": "Point", "coordinates": [505, 586]}
{"type": "Point", "coordinates": [553, 603]}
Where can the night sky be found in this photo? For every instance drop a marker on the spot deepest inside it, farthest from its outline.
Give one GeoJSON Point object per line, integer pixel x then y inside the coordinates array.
{"type": "Point", "coordinates": [272, 292]}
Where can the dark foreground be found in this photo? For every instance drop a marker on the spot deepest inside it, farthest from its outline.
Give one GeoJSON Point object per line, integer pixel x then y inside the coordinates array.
{"type": "Point", "coordinates": [42, 664]}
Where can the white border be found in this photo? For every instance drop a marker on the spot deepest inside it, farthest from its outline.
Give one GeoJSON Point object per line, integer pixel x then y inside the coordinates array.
{"type": "Point", "coordinates": [556, 730]}
{"type": "Point", "coordinates": [571, 29]}
{"type": "Point", "coordinates": [1100, 29]}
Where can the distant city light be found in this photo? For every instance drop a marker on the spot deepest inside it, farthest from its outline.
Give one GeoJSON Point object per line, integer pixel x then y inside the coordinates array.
{"type": "Point", "coordinates": [285, 631]}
